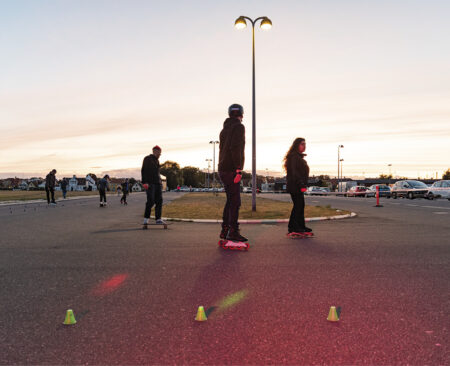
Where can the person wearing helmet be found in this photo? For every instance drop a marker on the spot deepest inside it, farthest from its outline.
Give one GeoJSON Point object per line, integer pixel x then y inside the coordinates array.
{"type": "Point", "coordinates": [103, 185]}
{"type": "Point", "coordinates": [151, 181]}
{"type": "Point", "coordinates": [231, 163]}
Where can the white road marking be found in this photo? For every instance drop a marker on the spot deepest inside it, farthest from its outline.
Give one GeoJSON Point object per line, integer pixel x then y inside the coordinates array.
{"type": "Point", "coordinates": [443, 208]}
{"type": "Point", "coordinates": [440, 213]}
{"type": "Point", "coordinates": [408, 204]}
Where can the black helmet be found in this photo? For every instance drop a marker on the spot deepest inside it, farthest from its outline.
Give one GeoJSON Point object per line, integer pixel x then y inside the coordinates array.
{"type": "Point", "coordinates": [235, 110]}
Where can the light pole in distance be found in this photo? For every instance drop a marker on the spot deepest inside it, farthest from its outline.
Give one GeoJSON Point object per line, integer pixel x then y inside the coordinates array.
{"type": "Point", "coordinates": [209, 161]}
{"type": "Point", "coordinates": [339, 159]}
{"type": "Point", "coordinates": [214, 161]}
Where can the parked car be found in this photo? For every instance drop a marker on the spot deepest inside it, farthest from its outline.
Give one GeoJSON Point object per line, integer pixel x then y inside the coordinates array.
{"type": "Point", "coordinates": [314, 191]}
{"type": "Point", "coordinates": [385, 191]}
{"type": "Point", "coordinates": [325, 190]}
{"type": "Point", "coordinates": [247, 189]}
{"type": "Point", "coordinates": [409, 188]}
{"type": "Point", "coordinates": [439, 189]}
{"type": "Point", "coordinates": [359, 191]}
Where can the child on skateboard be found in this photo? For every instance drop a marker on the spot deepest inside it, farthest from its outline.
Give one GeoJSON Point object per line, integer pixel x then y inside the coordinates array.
{"type": "Point", "coordinates": [231, 162]}
{"type": "Point", "coordinates": [296, 181]}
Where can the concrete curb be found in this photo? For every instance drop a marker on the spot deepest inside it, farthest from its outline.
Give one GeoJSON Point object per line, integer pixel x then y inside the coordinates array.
{"type": "Point", "coordinates": [208, 221]}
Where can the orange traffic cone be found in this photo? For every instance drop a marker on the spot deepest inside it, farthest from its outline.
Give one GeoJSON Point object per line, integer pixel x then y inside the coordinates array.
{"type": "Point", "coordinates": [333, 315]}
{"type": "Point", "coordinates": [201, 315]}
{"type": "Point", "coordinates": [70, 318]}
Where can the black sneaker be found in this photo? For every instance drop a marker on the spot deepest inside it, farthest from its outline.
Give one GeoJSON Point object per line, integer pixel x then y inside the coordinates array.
{"type": "Point", "coordinates": [234, 235]}
{"type": "Point", "coordinates": [307, 230]}
{"type": "Point", "coordinates": [224, 232]}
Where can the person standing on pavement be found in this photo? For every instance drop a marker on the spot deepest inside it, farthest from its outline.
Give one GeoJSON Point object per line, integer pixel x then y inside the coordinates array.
{"type": "Point", "coordinates": [231, 163]}
{"type": "Point", "coordinates": [125, 190]}
{"type": "Point", "coordinates": [103, 185]}
{"type": "Point", "coordinates": [50, 182]}
{"type": "Point", "coordinates": [297, 171]}
{"type": "Point", "coordinates": [63, 185]}
{"type": "Point", "coordinates": [151, 181]}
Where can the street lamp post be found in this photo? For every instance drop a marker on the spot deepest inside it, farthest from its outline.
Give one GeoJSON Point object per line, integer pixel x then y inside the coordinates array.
{"type": "Point", "coordinates": [390, 174]}
{"type": "Point", "coordinates": [266, 23]}
{"type": "Point", "coordinates": [209, 161]}
{"type": "Point", "coordinates": [339, 159]}
{"type": "Point", "coordinates": [214, 161]}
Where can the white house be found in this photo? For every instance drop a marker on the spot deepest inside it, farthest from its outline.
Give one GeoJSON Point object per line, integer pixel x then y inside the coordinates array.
{"type": "Point", "coordinates": [90, 182]}
{"type": "Point", "coordinates": [136, 187]}
{"type": "Point", "coordinates": [76, 184]}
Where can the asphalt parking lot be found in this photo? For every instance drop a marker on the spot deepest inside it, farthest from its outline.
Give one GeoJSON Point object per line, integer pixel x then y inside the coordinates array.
{"type": "Point", "coordinates": [135, 293]}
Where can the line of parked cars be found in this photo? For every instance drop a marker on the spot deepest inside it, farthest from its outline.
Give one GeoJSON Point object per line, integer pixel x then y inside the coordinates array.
{"type": "Point", "coordinates": [403, 188]}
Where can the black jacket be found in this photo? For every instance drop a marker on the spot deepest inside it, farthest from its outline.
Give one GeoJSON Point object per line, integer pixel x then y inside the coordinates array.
{"type": "Point", "coordinates": [150, 170]}
{"type": "Point", "coordinates": [297, 173]}
{"type": "Point", "coordinates": [50, 180]}
{"type": "Point", "coordinates": [232, 145]}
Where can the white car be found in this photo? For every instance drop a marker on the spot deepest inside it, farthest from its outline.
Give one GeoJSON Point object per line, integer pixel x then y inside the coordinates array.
{"type": "Point", "coordinates": [439, 189]}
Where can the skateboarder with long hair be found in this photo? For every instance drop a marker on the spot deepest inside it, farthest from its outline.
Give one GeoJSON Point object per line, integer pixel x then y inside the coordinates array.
{"type": "Point", "coordinates": [231, 163]}
{"type": "Point", "coordinates": [297, 171]}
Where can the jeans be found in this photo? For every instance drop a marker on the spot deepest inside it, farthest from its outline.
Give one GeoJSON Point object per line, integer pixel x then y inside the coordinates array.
{"type": "Point", "coordinates": [64, 192]}
{"type": "Point", "coordinates": [231, 209]}
{"type": "Point", "coordinates": [297, 219]}
{"type": "Point", "coordinates": [102, 195]}
{"type": "Point", "coordinates": [154, 197]}
{"type": "Point", "coordinates": [50, 190]}
{"type": "Point", "coordinates": [124, 197]}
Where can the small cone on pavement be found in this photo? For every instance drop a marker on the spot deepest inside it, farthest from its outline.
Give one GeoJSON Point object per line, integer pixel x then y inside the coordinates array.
{"type": "Point", "coordinates": [201, 315]}
{"type": "Point", "coordinates": [70, 318]}
{"type": "Point", "coordinates": [332, 315]}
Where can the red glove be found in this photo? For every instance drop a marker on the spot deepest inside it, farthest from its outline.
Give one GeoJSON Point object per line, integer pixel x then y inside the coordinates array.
{"type": "Point", "coordinates": [303, 190]}
{"type": "Point", "coordinates": [238, 176]}
{"type": "Point", "coordinates": [145, 186]}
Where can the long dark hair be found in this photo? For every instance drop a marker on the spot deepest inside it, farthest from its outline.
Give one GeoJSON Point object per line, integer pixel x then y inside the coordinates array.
{"type": "Point", "coordinates": [292, 150]}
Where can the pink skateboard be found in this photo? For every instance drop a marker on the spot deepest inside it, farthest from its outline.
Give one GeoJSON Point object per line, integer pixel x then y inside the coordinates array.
{"type": "Point", "coordinates": [233, 245]}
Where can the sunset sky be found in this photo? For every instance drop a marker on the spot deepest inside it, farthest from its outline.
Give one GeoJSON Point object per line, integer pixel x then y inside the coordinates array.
{"type": "Point", "coordinates": [91, 86]}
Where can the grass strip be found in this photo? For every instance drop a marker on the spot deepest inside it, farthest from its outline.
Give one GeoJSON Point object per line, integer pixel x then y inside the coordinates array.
{"type": "Point", "coordinates": [210, 206]}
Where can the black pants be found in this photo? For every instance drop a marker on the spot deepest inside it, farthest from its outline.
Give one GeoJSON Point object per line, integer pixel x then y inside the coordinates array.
{"type": "Point", "coordinates": [124, 197]}
{"type": "Point", "coordinates": [154, 197]}
{"type": "Point", "coordinates": [102, 195]}
{"type": "Point", "coordinates": [50, 190]}
{"type": "Point", "coordinates": [231, 209]}
{"type": "Point", "coordinates": [297, 219]}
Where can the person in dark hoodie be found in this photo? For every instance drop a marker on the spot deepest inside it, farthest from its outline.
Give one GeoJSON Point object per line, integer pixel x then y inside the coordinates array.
{"type": "Point", "coordinates": [125, 189]}
{"type": "Point", "coordinates": [296, 183]}
{"type": "Point", "coordinates": [103, 185]}
{"type": "Point", "coordinates": [50, 182]}
{"type": "Point", "coordinates": [63, 185]}
{"type": "Point", "coordinates": [151, 181]}
{"type": "Point", "coordinates": [231, 163]}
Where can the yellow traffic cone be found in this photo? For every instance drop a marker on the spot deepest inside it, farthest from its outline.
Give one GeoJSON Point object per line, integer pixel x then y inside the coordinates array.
{"type": "Point", "coordinates": [201, 315]}
{"type": "Point", "coordinates": [332, 315]}
{"type": "Point", "coordinates": [70, 318]}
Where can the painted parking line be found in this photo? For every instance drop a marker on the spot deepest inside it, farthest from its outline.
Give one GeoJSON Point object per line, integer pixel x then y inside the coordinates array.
{"type": "Point", "coordinates": [438, 207]}
{"type": "Point", "coordinates": [409, 204]}
{"type": "Point", "coordinates": [440, 213]}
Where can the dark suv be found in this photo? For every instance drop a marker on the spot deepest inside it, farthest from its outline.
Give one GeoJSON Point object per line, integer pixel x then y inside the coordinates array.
{"type": "Point", "coordinates": [409, 188]}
